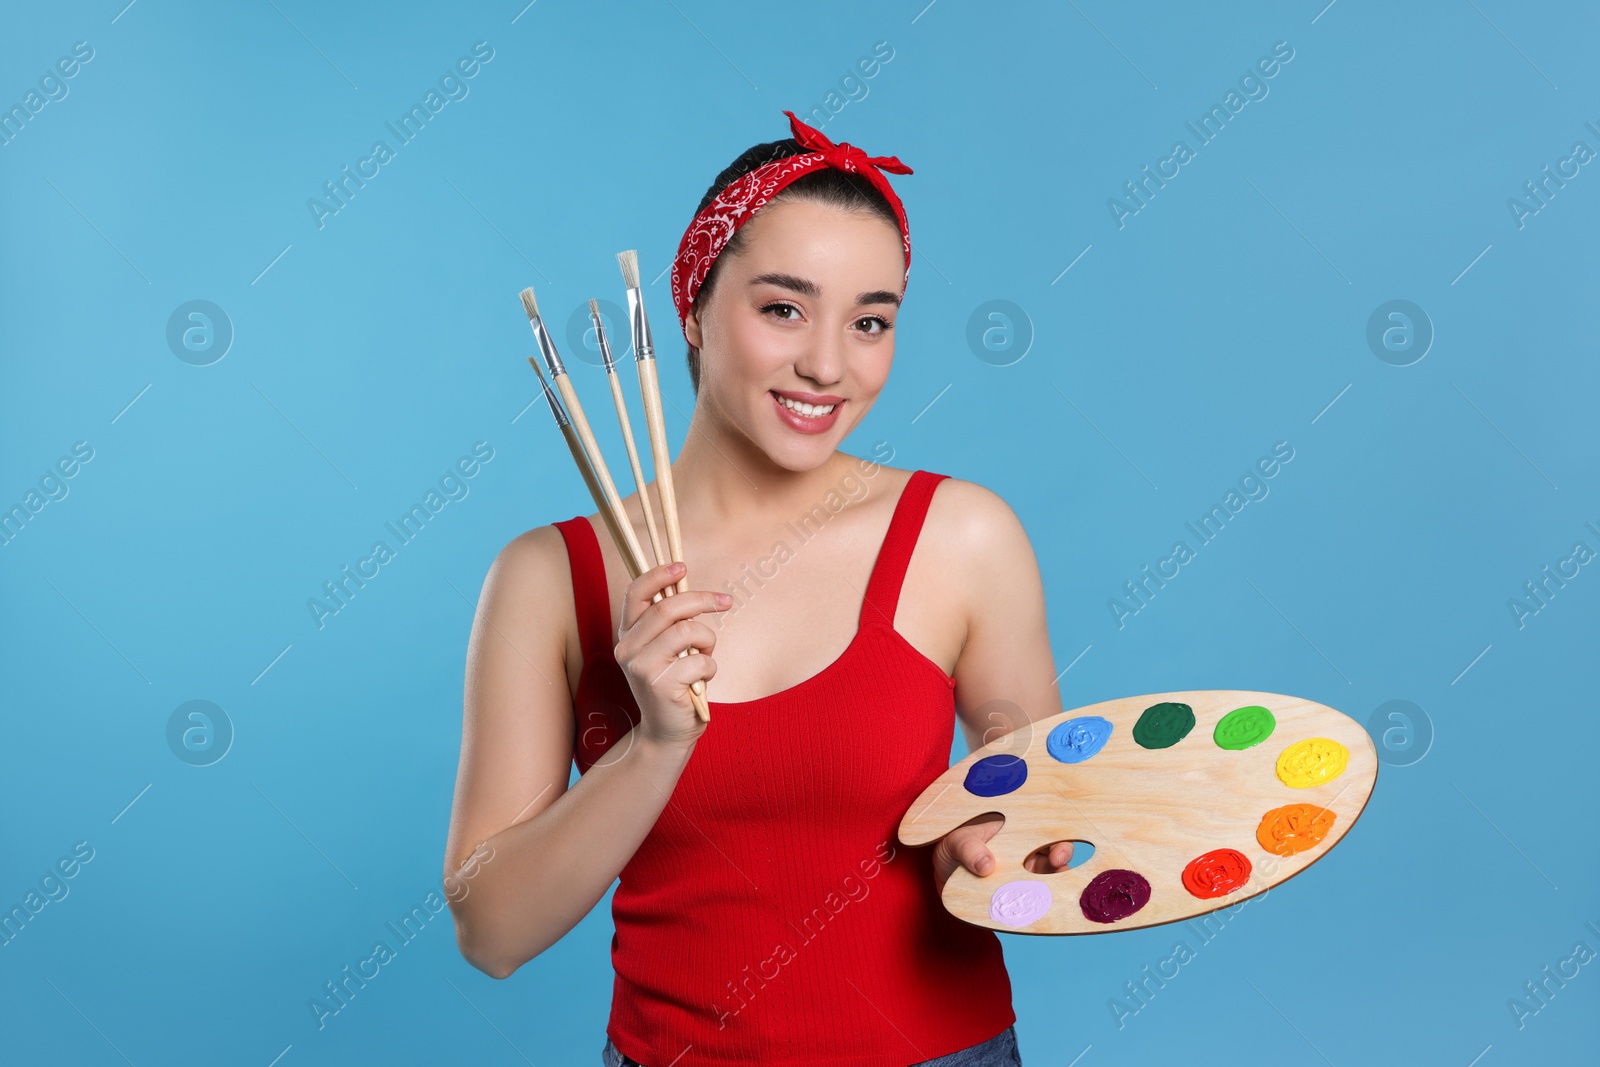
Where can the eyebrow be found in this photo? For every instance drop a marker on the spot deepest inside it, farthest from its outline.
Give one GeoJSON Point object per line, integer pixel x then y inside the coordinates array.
{"type": "Point", "coordinates": [807, 287]}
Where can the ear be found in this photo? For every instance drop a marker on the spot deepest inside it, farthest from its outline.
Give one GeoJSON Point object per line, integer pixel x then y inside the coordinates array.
{"type": "Point", "coordinates": [691, 326]}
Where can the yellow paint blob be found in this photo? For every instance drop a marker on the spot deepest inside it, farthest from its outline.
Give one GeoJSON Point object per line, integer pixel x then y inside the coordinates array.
{"type": "Point", "coordinates": [1312, 762]}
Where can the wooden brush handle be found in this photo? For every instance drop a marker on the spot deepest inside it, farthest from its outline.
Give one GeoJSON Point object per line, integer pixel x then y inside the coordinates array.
{"type": "Point", "coordinates": [661, 458]}
{"type": "Point", "coordinates": [584, 469]}
{"type": "Point", "coordinates": [597, 494]}
{"type": "Point", "coordinates": [650, 387]}
{"type": "Point", "coordinates": [633, 462]}
{"type": "Point", "coordinates": [613, 501]}
{"type": "Point", "coordinates": [620, 526]}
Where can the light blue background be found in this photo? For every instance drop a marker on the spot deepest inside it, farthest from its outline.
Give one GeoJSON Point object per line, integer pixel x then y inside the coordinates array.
{"type": "Point", "coordinates": [1227, 315]}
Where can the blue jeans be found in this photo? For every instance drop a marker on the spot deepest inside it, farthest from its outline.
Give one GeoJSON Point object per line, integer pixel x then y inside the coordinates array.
{"type": "Point", "coordinates": [998, 1051]}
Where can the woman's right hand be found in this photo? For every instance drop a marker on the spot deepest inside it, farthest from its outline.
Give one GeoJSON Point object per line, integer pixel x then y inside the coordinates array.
{"type": "Point", "coordinates": [653, 633]}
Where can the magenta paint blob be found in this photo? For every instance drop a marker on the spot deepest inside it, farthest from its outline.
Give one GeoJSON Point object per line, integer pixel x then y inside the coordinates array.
{"type": "Point", "coordinates": [1113, 895]}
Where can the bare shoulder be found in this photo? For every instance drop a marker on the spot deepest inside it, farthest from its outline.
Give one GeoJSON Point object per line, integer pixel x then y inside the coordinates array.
{"type": "Point", "coordinates": [533, 558]}
{"type": "Point", "coordinates": [528, 590]}
{"type": "Point", "coordinates": [971, 545]}
{"type": "Point", "coordinates": [974, 528]}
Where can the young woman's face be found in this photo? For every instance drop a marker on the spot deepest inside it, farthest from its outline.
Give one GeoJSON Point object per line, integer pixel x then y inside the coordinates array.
{"type": "Point", "coordinates": [805, 311]}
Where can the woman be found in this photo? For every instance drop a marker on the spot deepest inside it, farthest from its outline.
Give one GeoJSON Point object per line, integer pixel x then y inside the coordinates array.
{"type": "Point", "coordinates": [766, 912]}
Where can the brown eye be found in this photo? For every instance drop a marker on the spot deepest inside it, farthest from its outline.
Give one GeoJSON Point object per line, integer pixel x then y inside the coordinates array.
{"type": "Point", "coordinates": [871, 320]}
{"type": "Point", "coordinates": [790, 308]}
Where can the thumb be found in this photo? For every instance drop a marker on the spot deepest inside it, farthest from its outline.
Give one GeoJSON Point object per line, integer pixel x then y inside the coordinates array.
{"type": "Point", "coordinates": [961, 848]}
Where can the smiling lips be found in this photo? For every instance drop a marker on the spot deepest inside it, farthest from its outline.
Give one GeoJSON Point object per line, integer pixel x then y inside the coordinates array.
{"type": "Point", "coordinates": [807, 413]}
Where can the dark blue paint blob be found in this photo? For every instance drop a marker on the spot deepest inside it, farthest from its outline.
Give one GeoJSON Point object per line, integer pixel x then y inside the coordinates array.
{"type": "Point", "coordinates": [995, 776]}
{"type": "Point", "coordinates": [1078, 739]}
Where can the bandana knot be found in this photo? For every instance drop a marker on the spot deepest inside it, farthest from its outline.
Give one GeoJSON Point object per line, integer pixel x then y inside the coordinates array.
{"type": "Point", "coordinates": [842, 156]}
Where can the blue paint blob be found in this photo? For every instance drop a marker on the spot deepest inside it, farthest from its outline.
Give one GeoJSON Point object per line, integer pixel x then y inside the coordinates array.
{"type": "Point", "coordinates": [1078, 739]}
{"type": "Point", "coordinates": [995, 776]}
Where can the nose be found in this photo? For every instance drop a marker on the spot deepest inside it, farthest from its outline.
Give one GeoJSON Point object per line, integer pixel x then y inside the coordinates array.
{"type": "Point", "coordinates": [822, 361]}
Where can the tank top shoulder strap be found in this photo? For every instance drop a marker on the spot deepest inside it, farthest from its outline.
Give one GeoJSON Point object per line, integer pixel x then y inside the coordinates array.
{"type": "Point", "coordinates": [889, 571]}
{"type": "Point", "coordinates": [589, 590]}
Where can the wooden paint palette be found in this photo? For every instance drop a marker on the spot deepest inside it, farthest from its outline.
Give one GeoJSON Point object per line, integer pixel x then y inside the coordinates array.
{"type": "Point", "coordinates": [1193, 802]}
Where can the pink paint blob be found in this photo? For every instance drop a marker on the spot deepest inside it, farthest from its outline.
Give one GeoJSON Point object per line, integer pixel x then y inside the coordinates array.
{"type": "Point", "coordinates": [1019, 903]}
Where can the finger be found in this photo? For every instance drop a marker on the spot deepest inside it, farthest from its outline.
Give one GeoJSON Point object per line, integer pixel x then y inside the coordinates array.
{"type": "Point", "coordinates": [654, 619]}
{"type": "Point", "coordinates": [1061, 854]}
{"type": "Point", "coordinates": [687, 670]}
{"type": "Point", "coordinates": [641, 592]}
{"type": "Point", "coordinates": [685, 633]}
{"type": "Point", "coordinates": [987, 825]}
{"type": "Point", "coordinates": [974, 855]}
{"type": "Point", "coordinates": [944, 859]}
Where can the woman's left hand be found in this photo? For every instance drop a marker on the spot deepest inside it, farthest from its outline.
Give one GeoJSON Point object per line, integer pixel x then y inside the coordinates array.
{"type": "Point", "coordinates": [967, 846]}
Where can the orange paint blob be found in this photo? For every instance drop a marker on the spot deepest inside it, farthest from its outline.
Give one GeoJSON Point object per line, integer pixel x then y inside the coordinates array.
{"type": "Point", "coordinates": [1294, 828]}
{"type": "Point", "coordinates": [1217, 873]}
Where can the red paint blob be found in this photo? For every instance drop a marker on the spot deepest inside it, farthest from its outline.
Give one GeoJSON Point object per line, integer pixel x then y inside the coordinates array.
{"type": "Point", "coordinates": [1217, 873]}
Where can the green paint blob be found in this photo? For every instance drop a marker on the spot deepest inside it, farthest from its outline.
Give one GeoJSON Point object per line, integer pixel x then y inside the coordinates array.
{"type": "Point", "coordinates": [1243, 727]}
{"type": "Point", "coordinates": [1163, 725]}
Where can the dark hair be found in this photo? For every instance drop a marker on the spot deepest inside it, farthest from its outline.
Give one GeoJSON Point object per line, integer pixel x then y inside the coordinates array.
{"type": "Point", "coordinates": [826, 185]}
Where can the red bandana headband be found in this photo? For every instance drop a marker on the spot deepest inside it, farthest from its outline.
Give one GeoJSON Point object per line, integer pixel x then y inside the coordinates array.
{"type": "Point", "coordinates": [712, 228]}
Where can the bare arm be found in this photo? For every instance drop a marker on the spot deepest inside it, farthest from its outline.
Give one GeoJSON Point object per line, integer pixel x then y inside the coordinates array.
{"type": "Point", "coordinates": [527, 857]}
{"type": "Point", "coordinates": [1006, 670]}
{"type": "Point", "coordinates": [1005, 674]}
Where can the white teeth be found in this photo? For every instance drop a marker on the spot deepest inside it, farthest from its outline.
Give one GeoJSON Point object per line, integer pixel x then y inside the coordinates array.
{"type": "Point", "coordinates": [809, 410]}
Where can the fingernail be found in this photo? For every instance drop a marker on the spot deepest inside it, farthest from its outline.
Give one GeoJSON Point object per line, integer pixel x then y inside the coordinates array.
{"type": "Point", "coordinates": [724, 599]}
{"type": "Point", "coordinates": [676, 568]}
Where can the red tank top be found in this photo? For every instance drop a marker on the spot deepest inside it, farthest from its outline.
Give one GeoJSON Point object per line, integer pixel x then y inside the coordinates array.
{"type": "Point", "coordinates": [771, 915]}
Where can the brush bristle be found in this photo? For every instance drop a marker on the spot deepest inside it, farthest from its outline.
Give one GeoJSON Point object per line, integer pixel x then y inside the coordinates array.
{"type": "Point", "coordinates": [629, 261]}
{"type": "Point", "coordinates": [529, 304]}
{"type": "Point", "coordinates": [594, 309]}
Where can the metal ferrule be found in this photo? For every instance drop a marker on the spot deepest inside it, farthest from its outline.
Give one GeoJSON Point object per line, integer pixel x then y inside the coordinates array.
{"type": "Point", "coordinates": [600, 336]}
{"type": "Point", "coordinates": [642, 347]}
{"type": "Point", "coordinates": [555, 405]}
{"type": "Point", "coordinates": [547, 347]}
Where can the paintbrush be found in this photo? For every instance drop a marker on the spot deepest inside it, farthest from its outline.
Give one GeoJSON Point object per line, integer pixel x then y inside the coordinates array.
{"type": "Point", "coordinates": [627, 432]}
{"type": "Point", "coordinates": [601, 487]}
{"type": "Point", "coordinates": [644, 356]}
{"type": "Point", "coordinates": [576, 447]}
